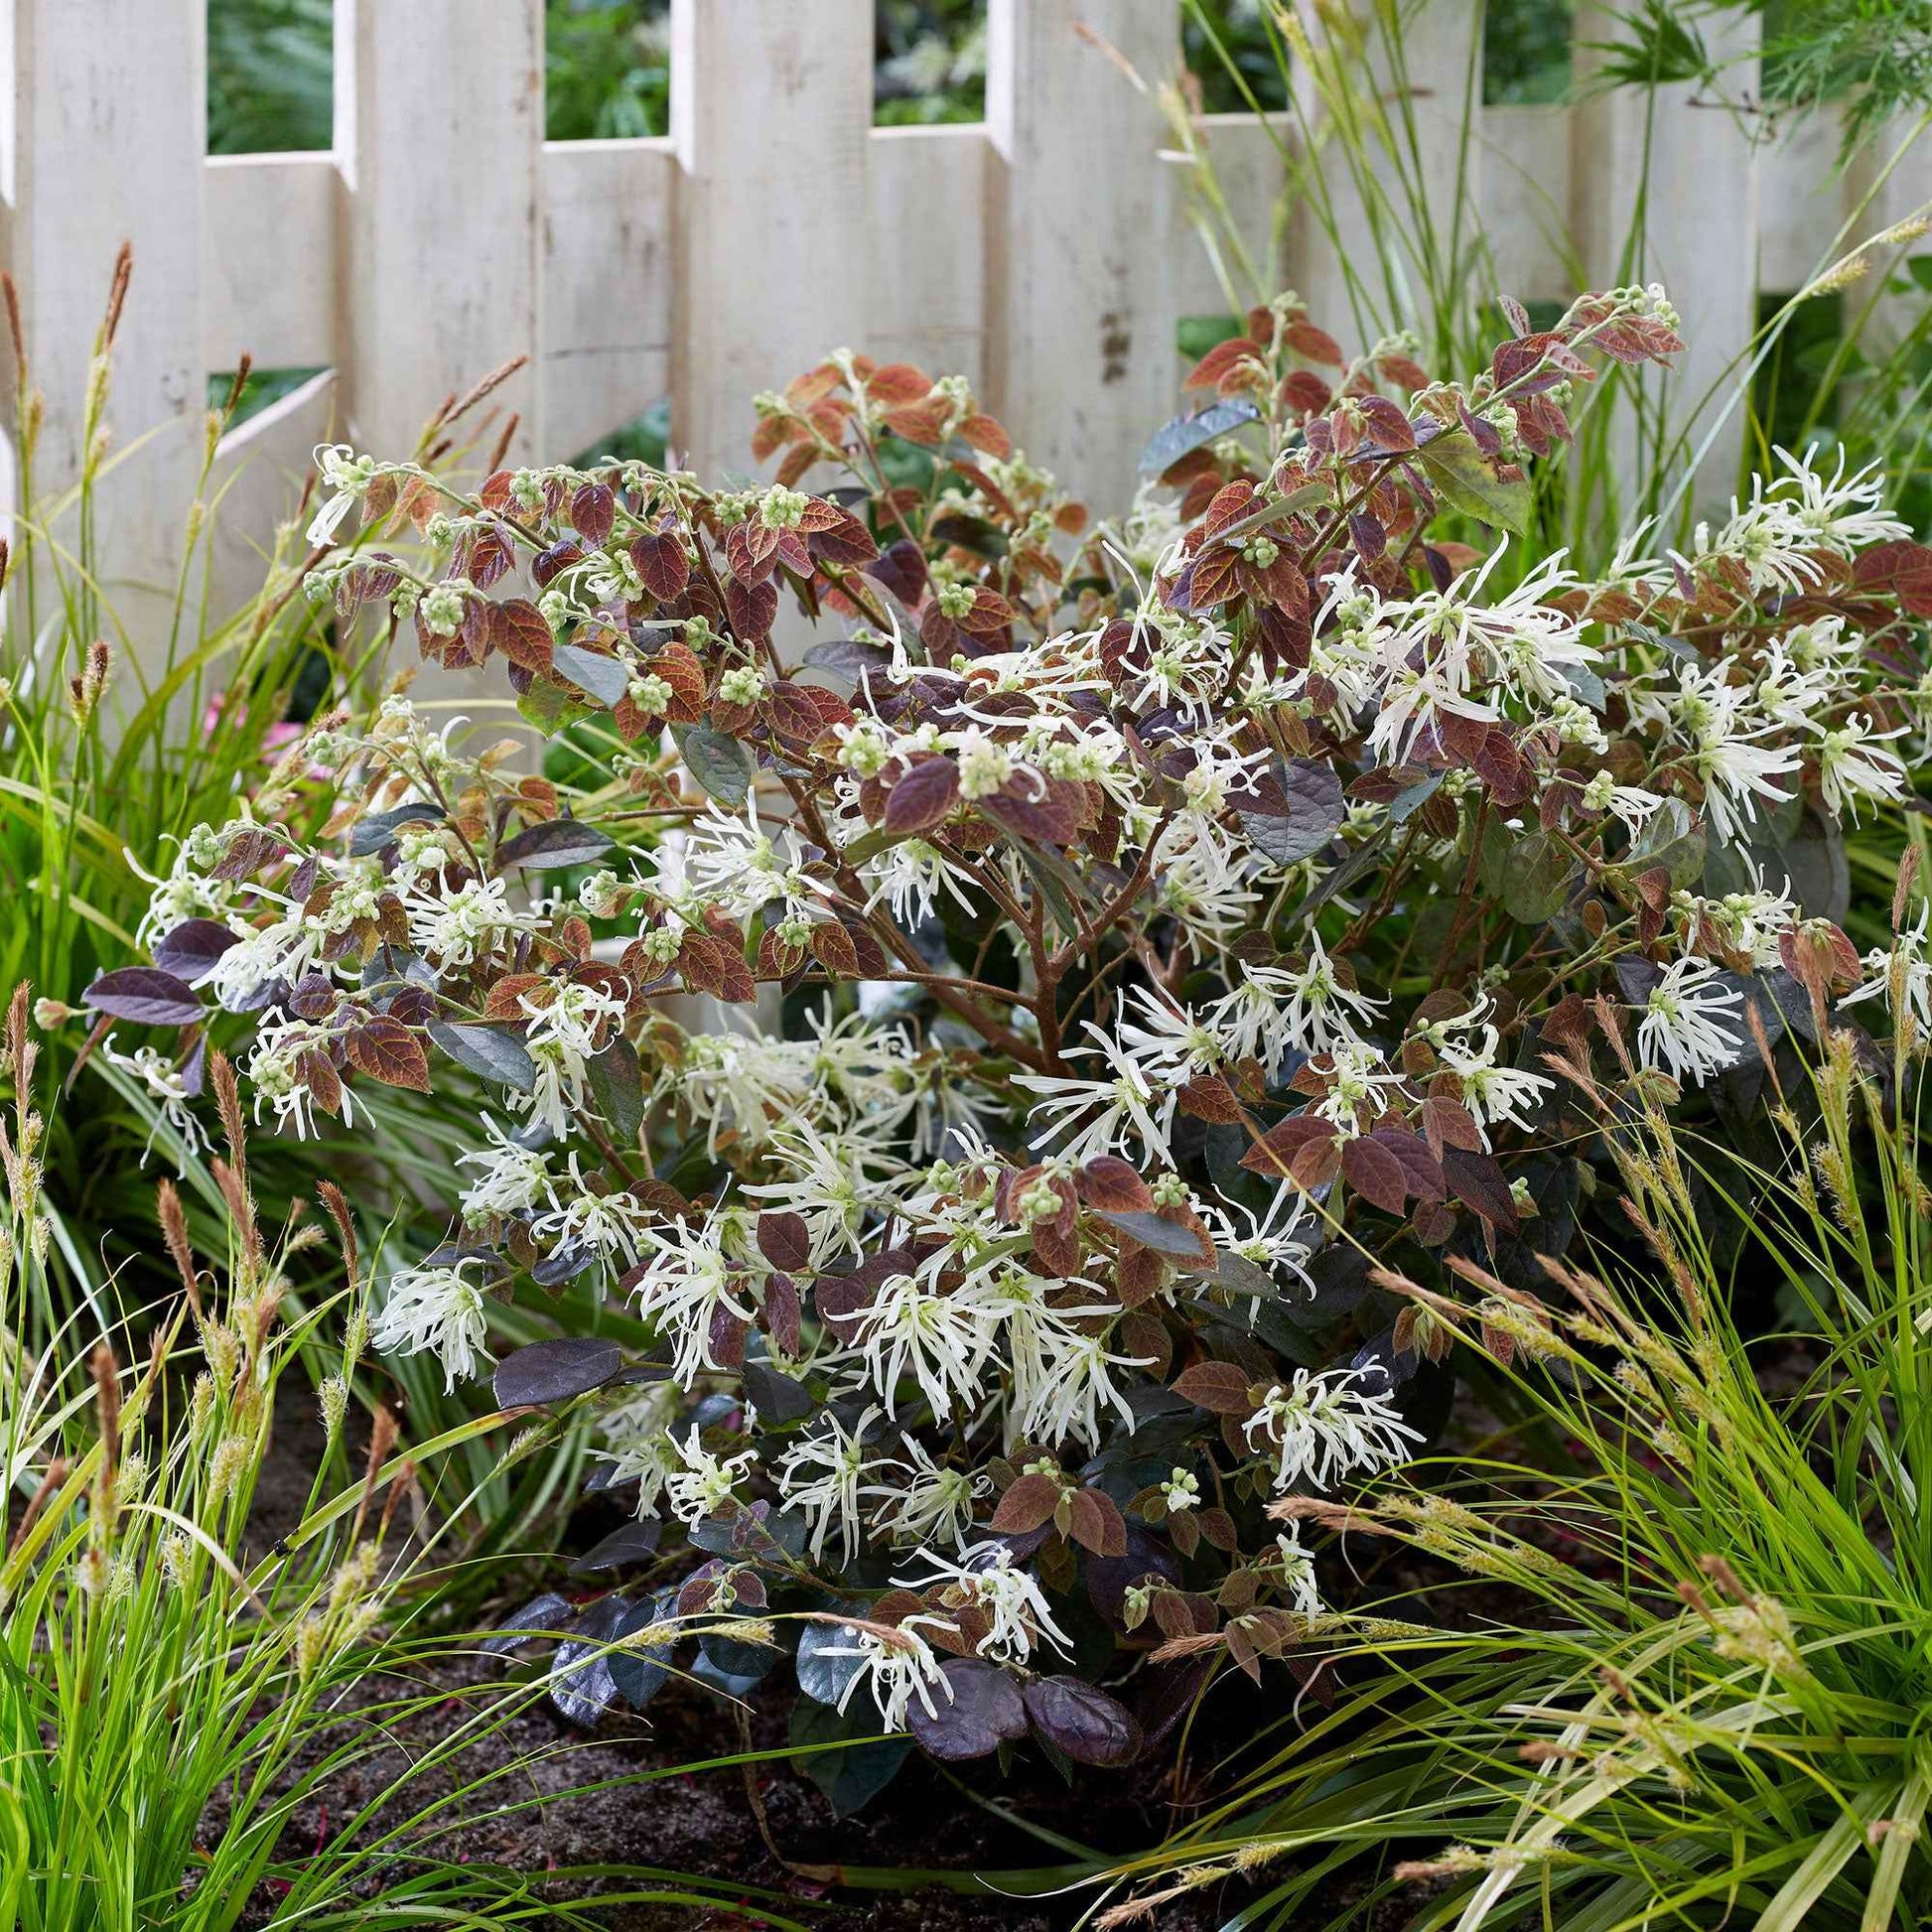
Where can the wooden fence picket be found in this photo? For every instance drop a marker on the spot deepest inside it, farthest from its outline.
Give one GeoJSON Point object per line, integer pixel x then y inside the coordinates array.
{"type": "Point", "coordinates": [1697, 170]}
{"type": "Point", "coordinates": [770, 119]}
{"type": "Point", "coordinates": [1081, 319]}
{"type": "Point", "coordinates": [108, 143]}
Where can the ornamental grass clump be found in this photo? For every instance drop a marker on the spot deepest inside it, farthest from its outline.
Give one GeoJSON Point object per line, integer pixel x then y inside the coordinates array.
{"type": "Point", "coordinates": [978, 1054]}
{"type": "Point", "coordinates": [201, 1722]}
{"type": "Point", "coordinates": [1704, 1702]}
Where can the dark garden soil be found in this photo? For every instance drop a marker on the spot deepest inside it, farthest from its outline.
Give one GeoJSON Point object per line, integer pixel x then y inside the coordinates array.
{"type": "Point", "coordinates": [702, 1822]}
{"type": "Point", "coordinates": [656, 1813]}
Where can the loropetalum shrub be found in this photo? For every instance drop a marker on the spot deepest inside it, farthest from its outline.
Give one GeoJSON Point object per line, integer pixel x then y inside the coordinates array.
{"type": "Point", "coordinates": [978, 1054]}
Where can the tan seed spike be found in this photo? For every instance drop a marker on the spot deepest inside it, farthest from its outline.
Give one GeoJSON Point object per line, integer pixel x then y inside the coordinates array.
{"type": "Point", "coordinates": [173, 1231]}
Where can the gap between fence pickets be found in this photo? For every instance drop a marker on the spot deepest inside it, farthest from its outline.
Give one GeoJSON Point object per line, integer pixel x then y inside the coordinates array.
{"type": "Point", "coordinates": [1044, 253]}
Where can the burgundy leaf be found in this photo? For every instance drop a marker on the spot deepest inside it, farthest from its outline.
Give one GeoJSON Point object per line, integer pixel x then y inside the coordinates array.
{"type": "Point", "coordinates": [1475, 1179]}
{"type": "Point", "coordinates": [145, 995]}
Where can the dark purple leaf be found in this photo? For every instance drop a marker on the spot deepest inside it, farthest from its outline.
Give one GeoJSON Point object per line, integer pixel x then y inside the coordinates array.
{"type": "Point", "coordinates": [1475, 1179]}
{"type": "Point", "coordinates": [984, 1712]}
{"type": "Point", "coordinates": [633, 1542]}
{"type": "Point", "coordinates": [146, 995]}
{"type": "Point", "coordinates": [192, 949]}
{"type": "Point", "coordinates": [784, 1240]}
{"type": "Point", "coordinates": [553, 845]}
{"type": "Point", "coordinates": [1086, 1724]}
{"type": "Point", "coordinates": [1296, 809]}
{"type": "Point", "coordinates": [555, 1371]}
{"type": "Point", "coordinates": [546, 1613]}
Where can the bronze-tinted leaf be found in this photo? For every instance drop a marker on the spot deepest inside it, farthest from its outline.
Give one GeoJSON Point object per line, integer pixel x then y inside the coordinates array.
{"type": "Point", "coordinates": [677, 664]}
{"type": "Point", "coordinates": [784, 1241]}
{"type": "Point", "coordinates": [1217, 1526]}
{"type": "Point", "coordinates": [898, 383]}
{"type": "Point", "coordinates": [1422, 1173]}
{"type": "Point", "coordinates": [1097, 1524]}
{"type": "Point", "coordinates": [987, 434]}
{"type": "Point", "coordinates": [1316, 344]}
{"type": "Point", "coordinates": [1028, 1505]}
{"type": "Point", "coordinates": [832, 947]}
{"type": "Point", "coordinates": [386, 1049]}
{"type": "Point", "coordinates": [1107, 1182]}
{"type": "Point", "coordinates": [662, 564]}
{"type": "Point", "coordinates": [1047, 812]}
{"type": "Point", "coordinates": [1388, 423]}
{"type": "Point", "coordinates": [1374, 1173]}
{"type": "Point", "coordinates": [750, 550]}
{"type": "Point", "coordinates": [1447, 1123]}
{"type": "Point", "coordinates": [518, 630]}
{"type": "Point", "coordinates": [490, 557]}
{"type": "Point", "coordinates": [990, 612]}
{"type": "Point", "coordinates": [1144, 1338]}
{"type": "Point", "coordinates": [593, 511]}
{"type": "Point", "coordinates": [1234, 357]}
{"type": "Point", "coordinates": [782, 1316]}
{"type": "Point", "coordinates": [728, 1333]}
{"type": "Point", "coordinates": [923, 797]}
{"type": "Point", "coordinates": [752, 608]}
{"type": "Point", "coordinates": [1214, 578]}
{"type": "Point", "coordinates": [921, 422]}
{"type": "Point", "coordinates": [1275, 1152]}
{"type": "Point", "coordinates": [1139, 1275]}
{"type": "Point", "coordinates": [1220, 1387]}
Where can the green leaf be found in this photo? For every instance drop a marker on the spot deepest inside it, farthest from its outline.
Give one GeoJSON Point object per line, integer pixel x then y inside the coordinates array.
{"type": "Point", "coordinates": [1052, 875]}
{"type": "Point", "coordinates": [590, 670]}
{"type": "Point", "coordinates": [721, 765]}
{"type": "Point", "coordinates": [828, 1660]}
{"type": "Point", "coordinates": [1809, 856]}
{"type": "Point", "coordinates": [496, 1052]}
{"type": "Point", "coordinates": [617, 1085]}
{"type": "Point", "coordinates": [855, 1775]}
{"type": "Point", "coordinates": [1895, 1850]}
{"type": "Point", "coordinates": [1834, 1850]}
{"type": "Point", "coordinates": [1297, 810]}
{"type": "Point", "coordinates": [1463, 479]}
{"type": "Point", "coordinates": [1536, 875]}
{"type": "Point", "coordinates": [1669, 841]}
{"type": "Point", "coordinates": [552, 706]}
{"type": "Point", "coordinates": [1173, 440]}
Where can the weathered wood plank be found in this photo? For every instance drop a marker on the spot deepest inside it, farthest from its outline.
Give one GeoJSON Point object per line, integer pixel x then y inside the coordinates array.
{"type": "Point", "coordinates": [1666, 188]}
{"type": "Point", "coordinates": [439, 135]}
{"type": "Point", "coordinates": [770, 118]}
{"type": "Point", "coordinates": [927, 247]}
{"type": "Point", "coordinates": [106, 144]}
{"type": "Point", "coordinates": [1080, 295]}
{"type": "Point", "coordinates": [1524, 199]}
{"type": "Point", "coordinates": [269, 263]}
{"type": "Point", "coordinates": [1230, 255]}
{"type": "Point", "coordinates": [606, 285]}
{"type": "Point", "coordinates": [439, 125]}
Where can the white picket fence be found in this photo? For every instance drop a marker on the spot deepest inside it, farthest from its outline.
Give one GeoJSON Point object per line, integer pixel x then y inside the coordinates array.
{"type": "Point", "coordinates": [1043, 253]}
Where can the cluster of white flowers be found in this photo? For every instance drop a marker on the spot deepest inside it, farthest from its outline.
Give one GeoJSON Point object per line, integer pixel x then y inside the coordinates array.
{"type": "Point", "coordinates": [437, 1308]}
{"type": "Point", "coordinates": [1317, 1429]}
{"type": "Point", "coordinates": [1691, 1026]}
